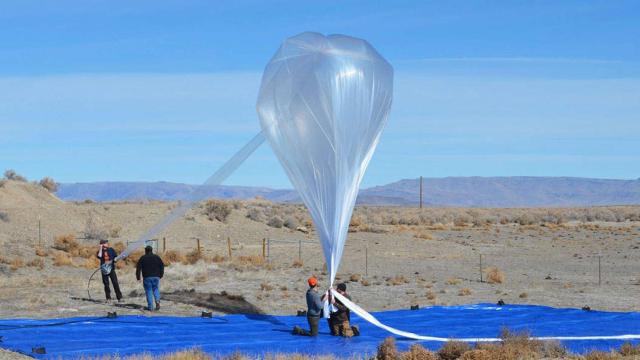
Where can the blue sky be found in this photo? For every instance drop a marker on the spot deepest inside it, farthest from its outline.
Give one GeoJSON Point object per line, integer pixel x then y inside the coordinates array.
{"type": "Point", "coordinates": [148, 90]}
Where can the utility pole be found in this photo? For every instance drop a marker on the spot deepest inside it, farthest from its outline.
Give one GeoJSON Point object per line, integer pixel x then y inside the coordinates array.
{"type": "Point", "coordinates": [420, 192]}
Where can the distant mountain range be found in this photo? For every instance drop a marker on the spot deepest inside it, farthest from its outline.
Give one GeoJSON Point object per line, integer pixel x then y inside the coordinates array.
{"type": "Point", "coordinates": [521, 191]}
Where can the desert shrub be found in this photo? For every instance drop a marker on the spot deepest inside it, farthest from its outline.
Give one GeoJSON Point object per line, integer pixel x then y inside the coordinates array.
{"type": "Point", "coordinates": [255, 214]}
{"type": "Point", "coordinates": [192, 257]}
{"type": "Point", "coordinates": [91, 263]}
{"type": "Point", "coordinates": [494, 275]}
{"type": "Point", "coordinates": [422, 234]}
{"type": "Point", "coordinates": [397, 280]}
{"type": "Point", "coordinates": [628, 349]}
{"type": "Point", "coordinates": [276, 222]}
{"type": "Point", "coordinates": [173, 256]}
{"type": "Point", "coordinates": [453, 281]}
{"type": "Point", "coordinates": [37, 262]}
{"type": "Point", "coordinates": [431, 295]}
{"type": "Point", "coordinates": [16, 263]}
{"type": "Point", "coordinates": [92, 231]}
{"type": "Point", "coordinates": [477, 354]}
{"type": "Point", "coordinates": [41, 252]}
{"type": "Point", "coordinates": [3, 182]}
{"type": "Point", "coordinates": [65, 242]}
{"type": "Point", "coordinates": [452, 350]}
{"type": "Point", "coordinates": [4, 216]}
{"type": "Point", "coordinates": [355, 277]}
{"type": "Point", "coordinates": [387, 350]}
{"type": "Point", "coordinates": [216, 258]}
{"type": "Point", "coordinates": [464, 292]}
{"type": "Point", "coordinates": [61, 258]}
{"type": "Point", "coordinates": [10, 174]}
{"type": "Point", "coordinates": [266, 287]}
{"type": "Point", "coordinates": [417, 352]}
{"type": "Point", "coordinates": [217, 209]}
{"type": "Point", "coordinates": [291, 222]}
{"type": "Point", "coordinates": [253, 260]}
{"type": "Point", "coordinates": [297, 263]}
{"type": "Point", "coordinates": [525, 219]}
{"type": "Point", "coordinates": [49, 184]}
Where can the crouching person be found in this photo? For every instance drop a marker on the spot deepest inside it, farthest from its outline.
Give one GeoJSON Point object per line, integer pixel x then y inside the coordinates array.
{"type": "Point", "coordinates": [314, 309]}
{"type": "Point", "coordinates": [152, 269]}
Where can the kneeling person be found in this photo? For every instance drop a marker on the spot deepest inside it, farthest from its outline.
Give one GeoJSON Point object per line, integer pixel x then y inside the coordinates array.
{"type": "Point", "coordinates": [339, 321]}
{"type": "Point", "coordinates": [152, 269]}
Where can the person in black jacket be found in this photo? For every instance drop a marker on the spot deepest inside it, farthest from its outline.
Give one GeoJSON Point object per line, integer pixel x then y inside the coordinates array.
{"type": "Point", "coordinates": [339, 320]}
{"type": "Point", "coordinates": [107, 258]}
{"type": "Point", "coordinates": [152, 269]}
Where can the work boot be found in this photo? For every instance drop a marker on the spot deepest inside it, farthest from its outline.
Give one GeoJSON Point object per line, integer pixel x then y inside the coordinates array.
{"type": "Point", "coordinates": [356, 330]}
{"type": "Point", "coordinates": [157, 305]}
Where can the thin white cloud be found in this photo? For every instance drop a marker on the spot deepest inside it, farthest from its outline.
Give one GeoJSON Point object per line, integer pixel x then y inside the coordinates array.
{"type": "Point", "coordinates": [516, 59]}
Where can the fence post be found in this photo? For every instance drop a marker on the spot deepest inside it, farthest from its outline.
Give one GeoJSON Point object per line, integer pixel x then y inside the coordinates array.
{"type": "Point", "coordinates": [198, 240]}
{"type": "Point", "coordinates": [164, 244]}
{"type": "Point", "coordinates": [366, 260]}
{"type": "Point", "coordinates": [599, 272]}
{"type": "Point", "coordinates": [300, 250]}
{"type": "Point", "coordinates": [264, 248]}
{"type": "Point", "coordinates": [481, 268]}
{"type": "Point", "coordinates": [268, 249]}
{"type": "Point", "coordinates": [229, 246]}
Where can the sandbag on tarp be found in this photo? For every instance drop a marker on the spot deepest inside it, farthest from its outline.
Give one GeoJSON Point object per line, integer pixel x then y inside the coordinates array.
{"type": "Point", "coordinates": [261, 334]}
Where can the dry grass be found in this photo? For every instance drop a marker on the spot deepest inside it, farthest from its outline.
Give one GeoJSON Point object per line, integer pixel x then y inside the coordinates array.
{"type": "Point", "coordinates": [494, 275]}
{"type": "Point", "coordinates": [464, 292]}
{"type": "Point", "coordinates": [430, 295]}
{"type": "Point", "coordinates": [266, 287]}
{"type": "Point", "coordinates": [41, 252]}
{"type": "Point", "coordinates": [251, 260]}
{"type": "Point", "coordinates": [190, 354]}
{"type": "Point", "coordinates": [193, 257]}
{"type": "Point", "coordinates": [355, 277]}
{"type": "Point", "coordinates": [16, 263]}
{"type": "Point", "coordinates": [513, 346]}
{"type": "Point", "coordinates": [297, 263]}
{"type": "Point", "coordinates": [91, 263]}
{"type": "Point", "coordinates": [423, 234]}
{"type": "Point", "coordinates": [628, 349]}
{"type": "Point", "coordinates": [172, 256]}
{"type": "Point", "coordinates": [453, 281]}
{"type": "Point", "coordinates": [397, 280]}
{"type": "Point", "coordinates": [61, 258]}
{"type": "Point", "coordinates": [37, 262]}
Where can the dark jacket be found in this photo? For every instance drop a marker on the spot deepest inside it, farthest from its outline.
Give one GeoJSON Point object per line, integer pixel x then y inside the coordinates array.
{"type": "Point", "coordinates": [112, 255]}
{"type": "Point", "coordinates": [343, 313]}
{"type": "Point", "coordinates": [314, 303]}
{"type": "Point", "coordinates": [150, 265]}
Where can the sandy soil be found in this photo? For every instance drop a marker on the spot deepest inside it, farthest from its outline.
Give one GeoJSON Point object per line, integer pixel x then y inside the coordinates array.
{"type": "Point", "coordinates": [391, 269]}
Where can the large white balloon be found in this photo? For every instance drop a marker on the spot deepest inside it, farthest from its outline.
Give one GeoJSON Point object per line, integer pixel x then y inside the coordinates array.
{"type": "Point", "coordinates": [323, 103]}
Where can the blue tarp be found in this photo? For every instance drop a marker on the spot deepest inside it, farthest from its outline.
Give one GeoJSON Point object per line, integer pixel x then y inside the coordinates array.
{"type": "Point", "coordinates": [260, 334]}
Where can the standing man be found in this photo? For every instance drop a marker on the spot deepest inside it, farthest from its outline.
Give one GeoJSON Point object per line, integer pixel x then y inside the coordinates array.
{"type": "Point", "coordinates": [152, 269]}
{"type": "Point", "coordinates": [107, 258]}
{"type": "Point", "coordinates": [314, 309]}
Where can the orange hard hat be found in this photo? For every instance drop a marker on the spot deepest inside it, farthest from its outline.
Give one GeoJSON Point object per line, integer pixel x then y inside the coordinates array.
{"type": "Point", "coordinates": [312, 281]}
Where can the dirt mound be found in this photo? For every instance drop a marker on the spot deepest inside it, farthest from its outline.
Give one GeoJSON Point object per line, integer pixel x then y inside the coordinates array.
{"type": "Point", "coordinates": [223, 302]}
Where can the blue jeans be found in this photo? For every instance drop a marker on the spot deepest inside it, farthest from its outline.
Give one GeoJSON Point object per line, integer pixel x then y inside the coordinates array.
{"type": "Point", "coordinates": [152, 289]}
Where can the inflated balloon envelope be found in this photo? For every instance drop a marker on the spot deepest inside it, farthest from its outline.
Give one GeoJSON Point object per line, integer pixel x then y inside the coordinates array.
{"type": "Point", "coordinates": [323, 103]}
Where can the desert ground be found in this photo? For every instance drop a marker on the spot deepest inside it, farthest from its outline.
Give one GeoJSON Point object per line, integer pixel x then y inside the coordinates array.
{"type": "Point", "coordinates": [394, 257]}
